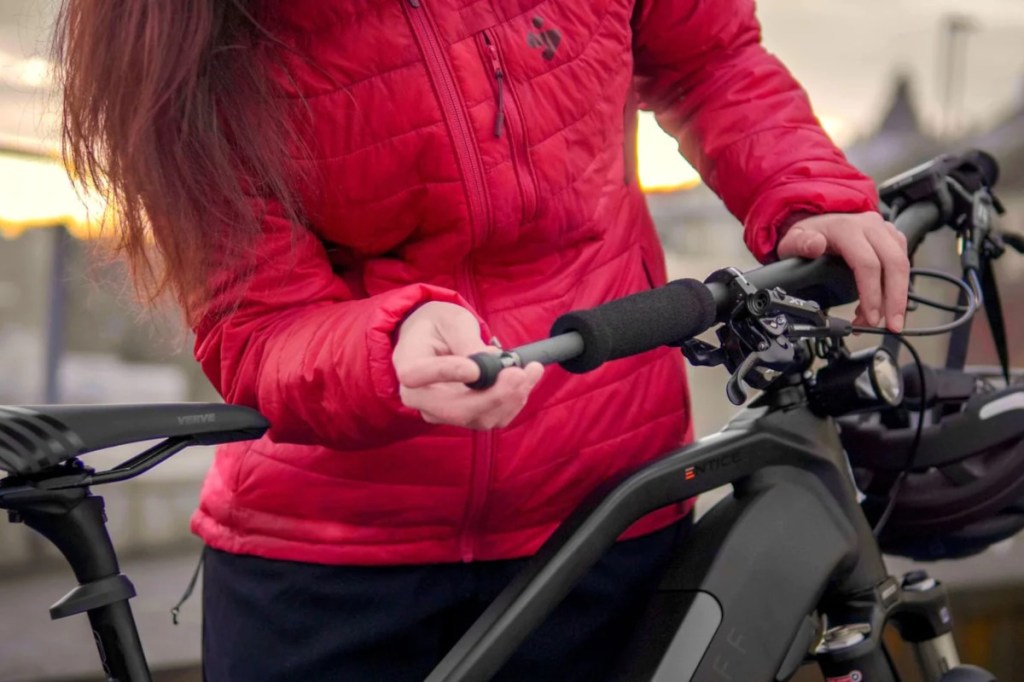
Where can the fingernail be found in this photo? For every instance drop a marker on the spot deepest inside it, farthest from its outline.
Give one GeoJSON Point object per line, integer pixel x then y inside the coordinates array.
{"type": "Point", "coordinates": [897, 323]}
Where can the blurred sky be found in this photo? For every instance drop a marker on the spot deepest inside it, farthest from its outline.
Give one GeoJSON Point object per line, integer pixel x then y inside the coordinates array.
{"type": "Point", "coordinates": [845, 52]}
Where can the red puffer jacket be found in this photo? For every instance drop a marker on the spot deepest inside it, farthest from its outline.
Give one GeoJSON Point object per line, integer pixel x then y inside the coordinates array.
{"type": "Point", "coordinates": [480, 153]}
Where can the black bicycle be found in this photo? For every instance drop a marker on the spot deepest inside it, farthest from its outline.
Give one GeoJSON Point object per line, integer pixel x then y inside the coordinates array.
{"type": "Point", "coordinates": [843, 456]}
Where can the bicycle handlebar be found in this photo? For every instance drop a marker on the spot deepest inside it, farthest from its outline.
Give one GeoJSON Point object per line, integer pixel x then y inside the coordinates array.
{"type": "Point", "coordinates": [827, 281]}
{"type": "Point", "coordinates": [583, 340]}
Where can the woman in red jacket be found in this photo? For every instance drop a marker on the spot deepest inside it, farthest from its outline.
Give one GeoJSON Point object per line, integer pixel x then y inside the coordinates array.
{"type": "Point", "coordinates": [347, 198]}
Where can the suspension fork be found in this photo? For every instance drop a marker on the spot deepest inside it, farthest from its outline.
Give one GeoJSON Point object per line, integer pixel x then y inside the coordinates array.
{"type": "Point", "coordinates": [925, 621]}
{"type": "Point", "coordinates": [918, 606]}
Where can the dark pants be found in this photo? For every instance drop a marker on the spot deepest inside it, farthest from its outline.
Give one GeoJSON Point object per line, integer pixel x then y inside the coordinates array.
{"type": "Point", "coordinates": [282, 621]}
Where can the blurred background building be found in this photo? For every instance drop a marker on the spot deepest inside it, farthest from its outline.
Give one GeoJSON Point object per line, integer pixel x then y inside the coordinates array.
{"type": "Point", "coordinates": [895, 82]}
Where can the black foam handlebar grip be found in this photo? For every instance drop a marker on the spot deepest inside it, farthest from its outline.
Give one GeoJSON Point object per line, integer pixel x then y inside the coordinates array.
{"type": "Point", "coordinates": [638, 323]}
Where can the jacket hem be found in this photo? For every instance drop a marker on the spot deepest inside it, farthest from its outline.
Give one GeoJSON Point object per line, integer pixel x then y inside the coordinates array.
{"type": "Point", "coordinates": [496, 547]}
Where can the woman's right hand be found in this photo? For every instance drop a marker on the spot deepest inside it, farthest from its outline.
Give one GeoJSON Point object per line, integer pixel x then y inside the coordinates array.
{"type": "Point", "coordinates": [433, 368]}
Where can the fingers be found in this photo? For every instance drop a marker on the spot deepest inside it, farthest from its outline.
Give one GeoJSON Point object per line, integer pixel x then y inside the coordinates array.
{"type": "Point", "coordinates": [859, 320]}
{"type": "Point", "coordinates": [875, 251]}
{"type": "Point", "coordinates": [891, 249]}
{"type": "Point", "coordinates": [432, 365]}
{"type": "Point", "coordinates": [420, 372]}
{"type": "Point", "coordinates": [860, 255]}
{"type": "Point", "coordinates": [799, 242]}
{"type": "Point", "coordinates": [878, 258]}
{"type": "Point", "coordinates": [535, 371]}
{"type": "Point", "coordinates": [434, 344]}
{"type": "Point", "coordinates": [457, 405]}
{"type": "Point", "coordinates": [437, 328]}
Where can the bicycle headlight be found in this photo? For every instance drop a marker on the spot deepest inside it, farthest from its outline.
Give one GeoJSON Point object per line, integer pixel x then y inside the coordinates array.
{"type": "Point", "coordinates": [886, 377]}
{"type": "Point", "coordinates": [866, 380]}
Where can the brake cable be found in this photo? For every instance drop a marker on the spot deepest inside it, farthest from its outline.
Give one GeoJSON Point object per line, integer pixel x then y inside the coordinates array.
{"type": "Point", "coordinates": [971, 289]}
{"type": "Point", "coordinates": [922, 410]}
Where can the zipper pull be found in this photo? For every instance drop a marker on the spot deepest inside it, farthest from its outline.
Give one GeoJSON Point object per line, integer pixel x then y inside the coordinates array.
{"type": "Point", "coordinates": [499, 118]}
{"type": "Point", "coordinates": [499, 77]}
{"type": "Point", "coordinates": [414, 3]}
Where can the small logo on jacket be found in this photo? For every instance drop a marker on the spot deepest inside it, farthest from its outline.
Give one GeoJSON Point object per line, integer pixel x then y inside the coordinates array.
{"type": "Point", "coordinates": [549, 39]}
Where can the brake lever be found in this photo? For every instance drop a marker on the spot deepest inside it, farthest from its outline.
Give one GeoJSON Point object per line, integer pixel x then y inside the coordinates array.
{"type": "Point", "coordinates": [1013, 240]}
{"type": "Point", "coordinates": [779, 355]}
{"type": "Point", "coordinates": [702, 354]}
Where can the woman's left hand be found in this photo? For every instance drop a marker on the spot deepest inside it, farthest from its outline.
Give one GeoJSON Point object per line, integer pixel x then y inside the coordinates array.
{"type": "Point", "coordinates": [873, 248]}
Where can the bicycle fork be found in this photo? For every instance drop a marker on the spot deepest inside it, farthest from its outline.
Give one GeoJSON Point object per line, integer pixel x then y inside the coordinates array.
{"type": "Point", "coordinates": [930, 631]}
{"type": "Point", "coordinates": [919, 609]}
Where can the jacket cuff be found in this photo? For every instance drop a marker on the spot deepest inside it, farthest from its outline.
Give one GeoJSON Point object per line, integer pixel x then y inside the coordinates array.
{"type": "Point", "coordinates": [778, 210]}
{"type": "Point", "coordinates": [382, 330]}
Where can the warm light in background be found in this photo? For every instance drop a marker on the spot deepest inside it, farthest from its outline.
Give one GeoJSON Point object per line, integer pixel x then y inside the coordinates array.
{"type": "Point", "coordinates": [660, 166]}
{"type": "Point", "coordinates": [34, 73]}
{"type": "Point", "coordinates": [35, 192]}
{"type": "Point", "coordinates": [838, 129]}
{"type": "Point", "coordinates": [663, 169]}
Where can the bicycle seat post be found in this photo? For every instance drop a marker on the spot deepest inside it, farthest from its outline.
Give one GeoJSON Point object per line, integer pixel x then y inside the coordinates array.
{"type": "Point", "coordinates": [75, 522]}
{"type": "Point", "coordinates": [47, 489]}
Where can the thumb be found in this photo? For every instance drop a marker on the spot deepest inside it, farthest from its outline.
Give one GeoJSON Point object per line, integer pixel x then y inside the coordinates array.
{"type": "Point", "coordinates": [800, 242]}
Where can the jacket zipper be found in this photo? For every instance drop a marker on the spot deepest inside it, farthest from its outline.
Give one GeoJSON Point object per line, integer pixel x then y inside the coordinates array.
{"type": "Point", "coordinates": [472, 168]}
{"type": "Point", "coordinates": [499, 80]}
{"type": "Point", "coordinates": [509, 109]}
{"type": "Point", "coordinates": [455, 114]}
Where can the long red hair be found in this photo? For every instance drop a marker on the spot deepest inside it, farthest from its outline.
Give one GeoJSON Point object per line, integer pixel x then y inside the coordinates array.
{"type": "Point", "coordinates": [168, 111]}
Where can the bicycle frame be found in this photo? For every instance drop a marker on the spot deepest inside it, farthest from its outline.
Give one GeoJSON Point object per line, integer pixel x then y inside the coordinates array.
{"type": "Point", "coordinates": [794, 512]}
{"type": "Point", "coordinates": [745, 599]}
{"type": "Point", "coordinates": [794, 516]}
